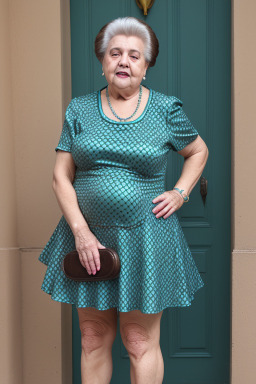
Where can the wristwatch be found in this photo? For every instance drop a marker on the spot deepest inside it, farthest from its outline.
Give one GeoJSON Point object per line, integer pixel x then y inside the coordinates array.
{"type": "Point", "coordinates": [185, 197]}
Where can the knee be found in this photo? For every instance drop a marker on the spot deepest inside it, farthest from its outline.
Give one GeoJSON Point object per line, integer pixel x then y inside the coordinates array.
{"type": "Point", "coordinates": [136, 339]}
{"type": "Point", "coordinates": [95, 335]}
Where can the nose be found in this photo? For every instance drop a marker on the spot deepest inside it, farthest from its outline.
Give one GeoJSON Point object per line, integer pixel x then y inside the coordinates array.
{"type": "Point", "coordinates": [124, 60]}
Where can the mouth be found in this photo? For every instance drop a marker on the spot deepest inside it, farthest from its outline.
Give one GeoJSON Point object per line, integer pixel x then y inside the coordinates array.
{"type": "Point", "coordinates": [122, 74]}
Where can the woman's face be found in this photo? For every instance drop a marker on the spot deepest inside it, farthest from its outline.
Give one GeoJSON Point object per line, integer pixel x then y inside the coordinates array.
{"type": "Point", "coordinates": [124, 54]}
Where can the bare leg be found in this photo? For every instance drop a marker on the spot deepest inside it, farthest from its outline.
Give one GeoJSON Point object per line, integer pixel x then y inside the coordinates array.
{"type": "Point", "coordinates": [98, 331]}
{"type": "Point", "coordinates": [149, 369]}
{"type": "Point", "coordinates": [141, 334]}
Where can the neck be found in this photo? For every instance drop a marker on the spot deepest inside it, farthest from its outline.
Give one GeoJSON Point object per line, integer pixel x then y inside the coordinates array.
{"type": "Point", "coordinates": [124, 94]}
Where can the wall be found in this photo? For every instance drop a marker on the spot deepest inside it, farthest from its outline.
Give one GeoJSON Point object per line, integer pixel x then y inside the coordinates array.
{"type": "Point", "coordinates": [35, 89]}
{"type": "Point", "coordinates": [10, 282]}
{"type": "Point", "coordinates": [243, 186]}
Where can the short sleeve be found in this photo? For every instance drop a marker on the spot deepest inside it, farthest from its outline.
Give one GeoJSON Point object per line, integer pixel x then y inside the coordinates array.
{"type": "Point", "coordinates": [68, 131]}
{"type": "Point", "coordinates": [181, 131]}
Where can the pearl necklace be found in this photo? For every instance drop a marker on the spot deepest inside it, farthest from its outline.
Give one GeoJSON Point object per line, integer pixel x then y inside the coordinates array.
{"type": "Point", "coordinates": [114, 113]}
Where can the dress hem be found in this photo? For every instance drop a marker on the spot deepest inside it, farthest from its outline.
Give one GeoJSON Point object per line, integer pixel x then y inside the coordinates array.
{"type": "Point", "coordinates": [131, 308]}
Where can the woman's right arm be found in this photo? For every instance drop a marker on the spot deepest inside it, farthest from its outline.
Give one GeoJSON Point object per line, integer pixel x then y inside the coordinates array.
{"type": "Point", "coordinates": [86, 243]}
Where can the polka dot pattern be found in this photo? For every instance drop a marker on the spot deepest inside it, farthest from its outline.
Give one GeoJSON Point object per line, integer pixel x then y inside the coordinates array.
{"type": "Point", "coordinates": [121, 168]}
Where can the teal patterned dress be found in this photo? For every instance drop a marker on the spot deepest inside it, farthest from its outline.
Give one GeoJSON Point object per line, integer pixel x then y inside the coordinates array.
{"type": "Point", "coordinates": [121, 168]}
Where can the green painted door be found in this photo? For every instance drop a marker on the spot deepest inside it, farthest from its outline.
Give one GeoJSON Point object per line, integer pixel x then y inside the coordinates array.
{"type": "Point", "coordinates": [194, 65]}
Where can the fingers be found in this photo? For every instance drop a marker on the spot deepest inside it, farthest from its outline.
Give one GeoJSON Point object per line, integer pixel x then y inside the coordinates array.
{"type": "Point", "coordinates": [170, 202]}
{"type": "Point", "coordinates": [96, 261]}
{"type": "Point", "coordinates": [84, 260]}
{"type": "Point", "coordinates": [87, 247]}
{"type": "Point", "coordinates": [97, 257]}
{"type": "Point", "coordinates": [169, 211]}
{"type": "Point", "coordinates": [90, 259]}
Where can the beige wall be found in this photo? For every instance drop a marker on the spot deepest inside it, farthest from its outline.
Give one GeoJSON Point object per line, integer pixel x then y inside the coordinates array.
{"type": "Point", "coordinates": [35, 79]}
{"type": "Point", "coordinates": [243, 186]}
{"type": "Point", "coordinates": [35, 331]}
{"type": "Point", "coordinates": [10, 284]}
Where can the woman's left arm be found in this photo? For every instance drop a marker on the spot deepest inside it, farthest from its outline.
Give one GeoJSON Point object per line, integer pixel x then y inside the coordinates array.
{"type": "Point", "coordinates": [195, 157]}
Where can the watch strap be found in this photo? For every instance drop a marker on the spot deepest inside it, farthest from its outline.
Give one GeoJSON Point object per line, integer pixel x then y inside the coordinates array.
{"type": "Point", "coordinates": [185, 197]}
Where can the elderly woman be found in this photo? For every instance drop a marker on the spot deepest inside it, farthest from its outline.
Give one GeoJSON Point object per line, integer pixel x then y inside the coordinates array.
{"type": "Point", "coordinates": [109, 180]}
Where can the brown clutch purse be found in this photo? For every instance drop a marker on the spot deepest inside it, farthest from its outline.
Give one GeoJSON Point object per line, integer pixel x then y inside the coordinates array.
{"type": "Point", "coordinates": [109, 266]}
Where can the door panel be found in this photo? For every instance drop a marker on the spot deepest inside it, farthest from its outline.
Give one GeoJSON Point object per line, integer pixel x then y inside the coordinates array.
{"type": "Point", "coordinates": [193, 65]}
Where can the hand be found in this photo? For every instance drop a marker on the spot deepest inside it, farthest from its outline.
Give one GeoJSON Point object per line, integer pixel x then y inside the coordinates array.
{"type": "Point", "coordinates": [171, 201]}
{"type": "Point", "coordinates": [87, 247]}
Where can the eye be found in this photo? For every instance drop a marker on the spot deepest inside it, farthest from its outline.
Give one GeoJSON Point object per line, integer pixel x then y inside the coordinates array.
{"type": "Point", "coordinates": [135, 57]}
{"type": "Point", "coordinates": [114, 54]}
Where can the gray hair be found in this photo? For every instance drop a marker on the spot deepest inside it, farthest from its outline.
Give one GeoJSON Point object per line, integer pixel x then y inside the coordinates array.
{"type": "Point", "coordinates": [127, 26]}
